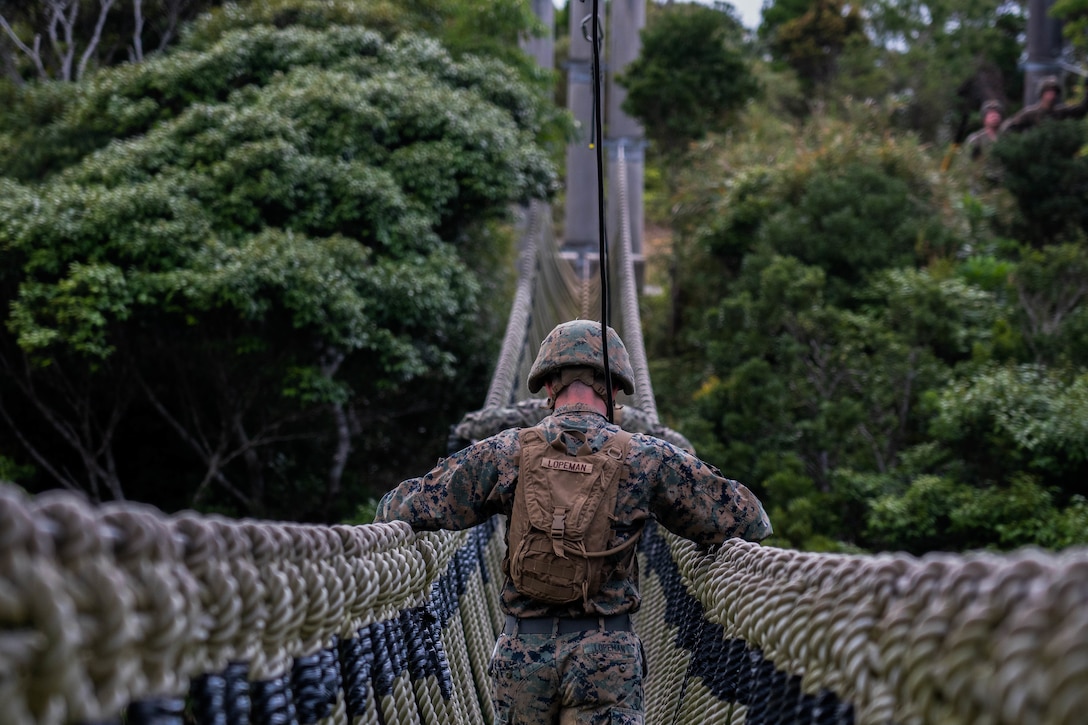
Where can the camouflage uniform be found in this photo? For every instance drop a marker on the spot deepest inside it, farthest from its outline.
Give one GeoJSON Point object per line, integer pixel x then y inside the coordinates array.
{"type": "Point", "coordinates": [535, 676]}
{"type": "Point", "coordinates": [686, 495]}
{"type": "Point", "coordinates": [485, 422]}
{"type": "Point", "coordinates": [979, 143]}
{"type": "Point", "coordinates": [1036, 113]}
{"type": "Point", "coordinates": [577, 662]}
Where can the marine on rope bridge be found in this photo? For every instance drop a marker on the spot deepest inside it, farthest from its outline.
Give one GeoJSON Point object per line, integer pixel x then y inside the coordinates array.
{"type": "Point", "coordinates": [577, 491]}
{"type": "Point", "coordinates": [120, 613]}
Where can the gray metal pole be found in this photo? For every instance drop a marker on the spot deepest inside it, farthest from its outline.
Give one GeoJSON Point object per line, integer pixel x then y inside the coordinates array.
{"type": "Point", "coordinates": [580, 217]}
{"type": "Point", "coordinates": [542, 49]}
{"type": "Point", "coordinates": [1044, 48]}
{"type": "Point", "coordinates": [627, 20]}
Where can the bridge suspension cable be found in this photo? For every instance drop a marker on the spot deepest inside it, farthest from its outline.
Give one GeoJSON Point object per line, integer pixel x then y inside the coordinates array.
{"type": "Point", "coordinates": [632, 320]}
{"type": "Point", "coordinates": [503, 380]}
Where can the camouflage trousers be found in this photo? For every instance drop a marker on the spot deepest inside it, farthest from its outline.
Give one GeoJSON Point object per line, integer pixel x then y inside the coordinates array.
{"type": "Point", "coordinates": [583, 678]}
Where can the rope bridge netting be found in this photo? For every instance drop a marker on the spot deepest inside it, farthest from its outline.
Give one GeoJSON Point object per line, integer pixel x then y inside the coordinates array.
{"type": "Point", "coordinates": [120, 613]}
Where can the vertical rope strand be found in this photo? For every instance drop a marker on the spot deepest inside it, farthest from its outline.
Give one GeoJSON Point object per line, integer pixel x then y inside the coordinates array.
{"type": "Point", "coordinates": [632, 321]}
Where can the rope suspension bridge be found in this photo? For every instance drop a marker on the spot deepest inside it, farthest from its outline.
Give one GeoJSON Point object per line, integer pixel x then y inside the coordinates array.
{"type": "Point", "coordinates": [122, 614]}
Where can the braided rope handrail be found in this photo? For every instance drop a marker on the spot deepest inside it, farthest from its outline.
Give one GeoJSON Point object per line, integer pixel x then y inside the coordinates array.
{"type": "Point", "coordinates": [122, 608]}
{"type": "Point", "coordinates": [939, 639]}
{"type": "Point", "coordinates": [632, 320]}
{"type": "Point", "coordinates": [103, 607]}
{"type": "Point", "coordinates": [501, 390]}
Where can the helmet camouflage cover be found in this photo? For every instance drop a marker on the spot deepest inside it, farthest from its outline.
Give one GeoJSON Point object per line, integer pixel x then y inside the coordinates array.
{"type": "Point", "coordinates": [1050, 82]}
{"type": "Point", "coordinates": [579, 343]}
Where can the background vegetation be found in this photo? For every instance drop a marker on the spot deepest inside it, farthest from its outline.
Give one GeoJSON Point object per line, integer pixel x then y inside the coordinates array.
{"type": "Point", "coordinates": [886, 340]}
{"type": "Point", "coordinates": [254, 272]}
{"type": "Point", "coordinates": [261, 264]}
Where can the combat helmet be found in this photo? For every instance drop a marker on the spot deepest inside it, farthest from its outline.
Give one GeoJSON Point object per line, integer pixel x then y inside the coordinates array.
{"type": "Point", "coordinates": [992, 105]}
{"type": "Point", "coordinates": [1050, 82]}
{"type": "Point", "coordinates": [579, 343]}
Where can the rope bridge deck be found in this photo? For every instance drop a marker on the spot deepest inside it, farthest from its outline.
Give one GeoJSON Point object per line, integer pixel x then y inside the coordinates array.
{"type": "Point", "coordinates": [119, 613]}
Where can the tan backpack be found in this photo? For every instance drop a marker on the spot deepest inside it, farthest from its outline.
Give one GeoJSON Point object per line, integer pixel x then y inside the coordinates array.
{"type": "Point", "coordinates": [561, 522]}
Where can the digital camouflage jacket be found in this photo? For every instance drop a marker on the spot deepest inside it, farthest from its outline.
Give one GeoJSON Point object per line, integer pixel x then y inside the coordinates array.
{"type": "Point", "coordinates": [480, 424]}
{"type": "Point", "coordinates": [687, 496]}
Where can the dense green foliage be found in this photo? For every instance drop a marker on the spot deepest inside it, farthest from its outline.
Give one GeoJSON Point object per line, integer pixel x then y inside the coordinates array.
{"type": "Point", "coordinates": [262, 271]}
{"type": "Point", "coordinates": [873, 355]}
{"type": "Point", "coordinates": [1049, 180]}
{"type": "Point", "coordinates": [690, 76]}
{"type": "Point", "coordinates": [251, 273]}
{"type": "Point", "coordinates": [810, 37]}
{"type": "Point", "coordinates": [969, 50]}
{"type": "Point", "coordinates": [892, 353]}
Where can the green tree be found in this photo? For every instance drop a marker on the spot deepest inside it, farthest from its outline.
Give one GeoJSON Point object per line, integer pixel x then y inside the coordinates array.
{"type": "Point", "coordinates": [934, 513]}
{"type": "Point", "coordinates": [826, 386]}
{"type": "Point", "coordinates": [873, 50]}
{"type": "Point", "coordinates": [267, 286]}
{"type": "Point", "coordinates": [891, 360]}
{"type": "Point", "coordinates": [842, 301]}
{"type": "Point", "coordinates": [691, 76]}
{"type": "Point", "coordinates": [1052, 292]}
{"type": "Point", "coordinates": [812, 42]}
{"type": "Point", "coordinates": [848, 198]}
{"type": "Point", "coordinates": [51, 126]}
{"type": "Point", "coordinates": [1013, 418]}
{"type": "Point", "coordinates": [1047, 175]}
{"type": "Point", "coordinates": [970, 51]}
{"type": "Point", "coordinates": [780, 12]}
{"type": "Point", "coordinates": [487, 28]}
{"type": "Point", "coordinates": [830, 223]}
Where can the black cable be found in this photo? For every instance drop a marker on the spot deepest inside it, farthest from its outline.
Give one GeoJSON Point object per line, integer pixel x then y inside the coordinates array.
{"type": "Point", "coordinates": [598, 134]}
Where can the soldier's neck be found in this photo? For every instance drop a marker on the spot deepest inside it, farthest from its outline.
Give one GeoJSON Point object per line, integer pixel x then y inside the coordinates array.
{"type": "Point", "coordinates": [578, 393]}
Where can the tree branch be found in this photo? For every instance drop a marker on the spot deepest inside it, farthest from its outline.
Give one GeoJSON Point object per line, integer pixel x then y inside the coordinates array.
{"type": "Point", "coordinates": [173, 16]}
{"type": "Point", "coordinates": [875, 447]}
{"type": "Point", "coordinates": [339, 457]}
{"type": "Point", "coordinates": [105, 6]}
{"type": "Point", "coordinates": [137, 54]}
{"type": "Point", "coordinates": [68, 24]}
{"type": "Point", "coordinates": [33, 53]}
{"type": "Point", "coordinates": [65, 481]}
{"type": "Point", "coordinates": [91, 442]}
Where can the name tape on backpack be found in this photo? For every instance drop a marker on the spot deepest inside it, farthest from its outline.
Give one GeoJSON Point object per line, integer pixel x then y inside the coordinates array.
{"type": "Point", "coordinates": [561, 465]}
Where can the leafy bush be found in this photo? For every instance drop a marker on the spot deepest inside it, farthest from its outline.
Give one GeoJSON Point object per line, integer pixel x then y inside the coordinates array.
{"type": "Point", "coordinates": [876, 358]}
{"type": "Point", "coordinates": [1047, 174]}
{"type": "Point", "coordinates": [939, 513]}
{"type": "Point", "coordinates": [260, 259]}
{"type": "Point", "coordinates": [1010, 418]}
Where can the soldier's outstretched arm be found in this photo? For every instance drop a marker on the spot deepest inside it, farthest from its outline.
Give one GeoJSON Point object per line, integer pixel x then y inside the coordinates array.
{"type": "Point", "coordinates": [693, 499]}
{"type": "Point", "coordinates": [463, 490]}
